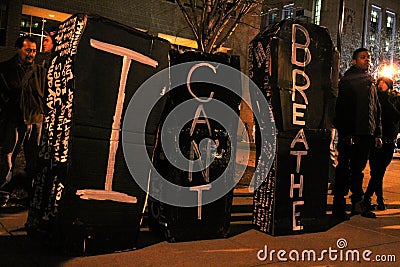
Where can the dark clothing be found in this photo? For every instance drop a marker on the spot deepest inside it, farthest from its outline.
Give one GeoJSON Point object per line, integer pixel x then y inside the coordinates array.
{"type": "Point", "coordinates": [43, 59]}
{"type": "Point", "coordinates": [21, 112]}
{"type": "Point", "coordinates": [381, 158]}
{"type": "Point", "coordinates": [358, 121]}
{"type": "Point", "coordinates": [390, 104]}
{"type": "Point", "coordinates": [352, 160]}
{"type": "Point", "coordinates": [357, 105]}
{"type": "Point", "coordinates": [21, 92]}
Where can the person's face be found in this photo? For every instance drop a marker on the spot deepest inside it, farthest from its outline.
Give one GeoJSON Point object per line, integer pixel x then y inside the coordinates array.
{"type": "Point", "coordinates": [363, 60]}
{"type": "Point", "coordinates": [382, 86]}
{"type": "Point", "coordinates": [27, 53]}
{"type": "Point", "coordinates": [47, 44]}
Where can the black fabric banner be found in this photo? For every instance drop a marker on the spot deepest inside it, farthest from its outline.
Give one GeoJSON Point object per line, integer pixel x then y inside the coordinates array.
{"type": "Point", "coordinates": [295, 65]}
{"type": "Point", "coordinates": [84, 189]}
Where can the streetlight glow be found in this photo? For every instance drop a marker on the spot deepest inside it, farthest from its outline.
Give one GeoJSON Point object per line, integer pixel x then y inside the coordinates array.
{"type": "Point", "coordinates": [387, 71]}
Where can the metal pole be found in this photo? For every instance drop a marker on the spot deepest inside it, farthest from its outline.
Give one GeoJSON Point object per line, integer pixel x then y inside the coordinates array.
{"type": "Point", "coordinates": [340, 26]}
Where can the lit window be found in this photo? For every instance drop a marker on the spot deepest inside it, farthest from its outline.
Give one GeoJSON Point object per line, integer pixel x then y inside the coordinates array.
{"type": "Point", "coordinates": [390, 23]}
{"type": "Point", "coordinates": [287, 11]}
{"type": "Point", "coordinates": [372, 38]}
{"type": "Point", "coordinates": [272, 16]}
{"type": "Point", "coordinates": [375, 18]}
{"type": "Point", "coordinates": [390, 34]}
{"type": "Point", "coordinates": [36, 21]}
{"type": "Point", "coordinates": [387, 45]}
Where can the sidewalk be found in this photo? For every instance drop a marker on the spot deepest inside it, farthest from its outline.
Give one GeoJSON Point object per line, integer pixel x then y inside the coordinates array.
{"type": "Point", "coordinates": [381, 236]}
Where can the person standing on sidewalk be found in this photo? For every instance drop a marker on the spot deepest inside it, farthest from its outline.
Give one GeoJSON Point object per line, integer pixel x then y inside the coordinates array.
{"type": "Point", "coordinates": [381, 158]}
{"type": "Point", "coordinates": [48, 46]}
{"type": "Point", "coordinates": [21, 108]}
{"type": "Point", "coordinates": [358, 121]}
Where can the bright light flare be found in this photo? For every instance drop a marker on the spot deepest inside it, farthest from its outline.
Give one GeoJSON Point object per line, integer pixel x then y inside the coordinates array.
{"type": "Point", "coordinates": [387, 71]}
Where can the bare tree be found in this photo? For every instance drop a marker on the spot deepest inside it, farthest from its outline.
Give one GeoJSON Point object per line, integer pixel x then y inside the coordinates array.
{"type": "Point", "coordinates": [385, 50]}
{"type": "Point", "coordinates": [213, 21]}
{"type": "Point", "coordinates": [350, 42]}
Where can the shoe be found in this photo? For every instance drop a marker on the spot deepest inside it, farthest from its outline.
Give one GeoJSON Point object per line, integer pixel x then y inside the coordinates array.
{"type": "Point", "coordinates": [367, 203]}
{"type": "Point", "coordinates": [363, 207]}
{"type": "Point", "coordinates": [368, 214]}
{"type": "Point", "coordinates": [381, 204]}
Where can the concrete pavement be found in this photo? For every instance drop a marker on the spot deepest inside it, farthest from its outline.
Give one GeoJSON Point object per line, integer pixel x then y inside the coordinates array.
{"type": "Point", "coordinates": [370, 239]}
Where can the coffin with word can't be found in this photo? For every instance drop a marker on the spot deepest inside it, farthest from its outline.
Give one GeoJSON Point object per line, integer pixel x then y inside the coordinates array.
{"type": "Point", "coordinates": [196, 204]}
{"type": "Point", "coordinates": [85, 197]}
{"type": "Point", "coordinates": [295, 65]}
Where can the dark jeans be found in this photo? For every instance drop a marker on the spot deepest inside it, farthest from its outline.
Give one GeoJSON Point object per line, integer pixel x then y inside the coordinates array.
{"type": "Point", "coordinates": [352, 160]}
{"type": "Point", "coordinates": [379, 159]}
{"type": "Point", "coordinates": [17, 136]}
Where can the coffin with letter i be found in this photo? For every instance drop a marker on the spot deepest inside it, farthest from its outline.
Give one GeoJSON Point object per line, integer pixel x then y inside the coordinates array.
{"type": "Point", "coordinates": [295, 65]}
{"type": "Point", "coordinates": [84, 194]}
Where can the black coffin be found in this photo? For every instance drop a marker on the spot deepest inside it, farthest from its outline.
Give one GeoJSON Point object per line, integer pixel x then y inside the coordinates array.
{"type": "Point", "coordinates": [211, 220]}
{"type": "Point", "coordinates": [84, 195]}
{"type": "Point", "coordinates": [296, 67]}
{"type": "Point", "coordinates": [291, 202]}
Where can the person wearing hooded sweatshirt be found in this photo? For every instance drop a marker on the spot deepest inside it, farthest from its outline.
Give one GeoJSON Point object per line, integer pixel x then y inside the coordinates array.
{"type": "Point", "coordinates": [358, 121]}
{"type": "Point", "coordinates": [381, 158]}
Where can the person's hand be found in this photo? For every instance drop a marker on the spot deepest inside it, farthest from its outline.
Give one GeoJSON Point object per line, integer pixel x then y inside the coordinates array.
{"type": "Point", "coordinates": [378, 142]}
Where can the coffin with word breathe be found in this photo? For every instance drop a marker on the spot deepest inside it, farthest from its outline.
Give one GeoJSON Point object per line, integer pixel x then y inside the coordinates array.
{"type": "Point", "coordinates": [181, 221]}
{"type": "Point", "coordinates": [84, 192]}
{"type": "Point", "coordinates": [296, 66]}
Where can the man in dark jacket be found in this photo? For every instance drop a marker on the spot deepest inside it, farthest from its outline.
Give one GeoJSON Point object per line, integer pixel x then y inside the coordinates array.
{"type": "Point", "coordinates": [21, 108]}
{"type": "Point", "coordinates": [380, 158]}
{"type": "Point", "coordinates": [358, 121]}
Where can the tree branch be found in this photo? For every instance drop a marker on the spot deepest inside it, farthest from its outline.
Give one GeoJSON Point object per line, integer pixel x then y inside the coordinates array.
{"type": "Point", "coordinates": [190, 22]}
{"type": "Point", "coordinates": [210, 25]}
{"type": "Point", "coordinates": [245, 8]}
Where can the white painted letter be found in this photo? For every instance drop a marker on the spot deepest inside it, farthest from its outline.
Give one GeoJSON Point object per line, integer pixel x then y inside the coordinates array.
{"type": "Point", "coordinates": [298, 114]}
{"type": "Point", "coordinates": [300, 137]}
{"type": "Point", "coordinates": [300, 88]}
{"type": "Point", "coordinates": [296, 214]}
{"type": "Point", "coordinates": [127, 55]}
{"type": "Point", "coordinates": [199, 190]}
{"type": "Point", "coordinates": [293, 185]}
{"type": "Point", "coordinates": [190, 75]}
{"type": "Point", "coordinates": [296, 46]}
{"type": "Point", "coordinates": [299, 154]}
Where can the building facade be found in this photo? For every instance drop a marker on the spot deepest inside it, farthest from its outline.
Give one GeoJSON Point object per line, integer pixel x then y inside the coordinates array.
{"type": "Point", "coordinates": [35, 16]}
{"type": "Point", "coordinates": [374, 24]}
{"type": "Point", "coordinates": [161, 18]}
{"type": "Point", "coordinates": [364, 21]}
